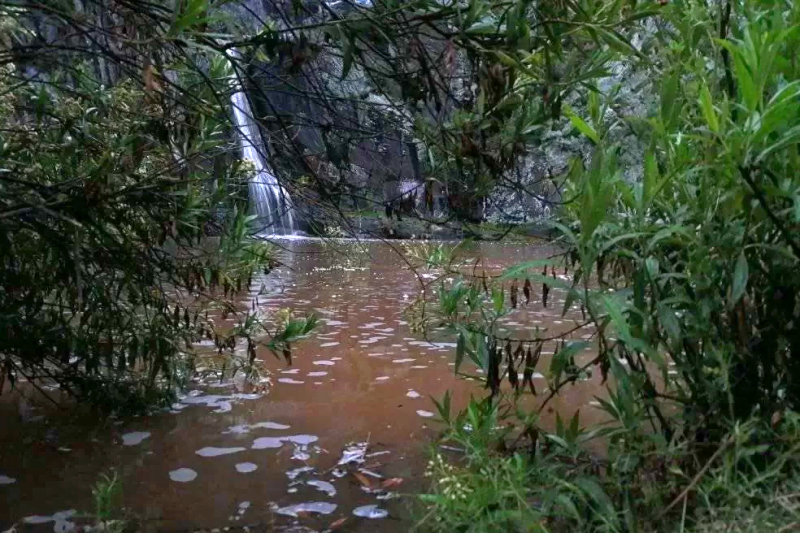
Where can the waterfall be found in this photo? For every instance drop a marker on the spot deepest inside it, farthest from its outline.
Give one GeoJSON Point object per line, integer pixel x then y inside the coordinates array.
{"type": "Point", "coordinates": [270, 201]}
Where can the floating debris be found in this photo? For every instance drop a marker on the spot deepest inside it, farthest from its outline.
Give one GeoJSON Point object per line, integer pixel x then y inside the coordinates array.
{"type": "Point", "coordinates": [61, 521]}
{"type": "Point", "coordinates": [413, 394]}
{"type": "Point", "coordinates": [292, 474]}
{"type": "Point", "coordinates": [307, 507]}
{"type": "Point", "coordinates": [224, 404]}
{"type": "Point", "coordinates": [353, 453]}
{"type": "Point", "coordinates": [135, 437]}
{"type": "Point", "coordinates": [424, 414]}
{"type": "Point", "coordinates": [262, 443]}
{"type": "Point", "coordinates": [246, 468]}
{"type": "Point", "coordinates": [243, 507]}
{"type": "Point", "coordinates": [5, 480]}
{"type": "Point", "coordinates": [183, 475]}
{"type": "Point", "coordinates": [210, 451]}
{"type": "Point", "coordinates": [323, 486]}
{"type": "Point", "coordinates": [370, 511]}
{"type": "Point", "coordinates": [245, 428]}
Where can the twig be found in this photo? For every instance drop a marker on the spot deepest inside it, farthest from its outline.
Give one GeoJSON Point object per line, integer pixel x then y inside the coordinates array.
{"type": "Point", "coordinates": [746, 174]}
{"type": "Point", "coordinates": [699, 475]}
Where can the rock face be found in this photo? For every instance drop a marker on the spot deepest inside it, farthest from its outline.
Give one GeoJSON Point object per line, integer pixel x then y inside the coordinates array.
{"type": "Point", "coordinates": [629, 91]}
{"type": "Point", "coordinates": [333, 133]}
{"type": "Point", "coordinates": [356, 146]}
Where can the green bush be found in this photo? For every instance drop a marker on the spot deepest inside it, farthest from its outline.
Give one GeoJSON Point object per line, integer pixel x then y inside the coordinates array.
{"type": "Point", "coordinates": [689, 278]}
{"type": "Point", "coordinates": [116, 167]}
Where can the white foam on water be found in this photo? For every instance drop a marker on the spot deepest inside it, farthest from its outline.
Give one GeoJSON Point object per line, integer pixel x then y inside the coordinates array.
{"type": "Point", "coordinates": [307, 507]}
{"type": "Point", "coordinates": [183, 475]}
{"type": "Point", "coordinates": [324, 363]}
{"type": "Point", "coordinates": [300, 454]}
{"type": "Point", "coordinates": [353, 453]}
{"type": "Point", "coordinates": [316, 374]}
{"type": "Point", "coordinates": [290, 381]}
{"type": "Point", "coordinates": [246, 468]}
{"type": "Point", "coordinates": [424, 414]}
{"type": "Point", "coordinates": [222, 403]}
{"type": "Point", "coordinates": [535, 375]}
{"type": "Point", "coordinates": [246, 428]}
{"type": "Point", "coordinates": [262, 443]}
{"type": "Point", "coordinates": [292, 474]}
{"type": "Point", "coordinates": [323, 486]}
{"type": "Point", "coordinates": [407, 360]}
{"type": "Point", "coordinates": [210, 451]}
{"type": "Point", "coordinates": [290, 371]}
{"type": "Point", "coordinates": [5, 480]}
{"type": "Point", "coordinates": [61, 523]}
{"type": "Point", "coordinates": [135, 437]}
{"type": "Point", "coordinates": [413, 394]}
{"type": "Point", "coordinates": [301, 439]}
{"type": "Point", "coordinates": [336, 358]}
{"type": "Point", "coordinates": [418, 367]}
{"type": "Point", "coordinates": [328, 344]}
{"type": "Point", "coordinates": [433, 345]}
{"type": "Point", "coordinates": [381, 378]}
{"type": "Point", "coordinates": [370, 511]}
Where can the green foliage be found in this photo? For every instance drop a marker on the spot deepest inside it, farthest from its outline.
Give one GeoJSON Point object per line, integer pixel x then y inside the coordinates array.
{"type": "Point", "coordinates": [478, 83]}
{"type": "Point", "coordinates": [702, 254]}
{"type": "Point", "coordinates": [123, 213]}
{"type": "Point", "coordinates": [509, 476]}
{"type": "Point", "coordinates": [107, 493]}
{"type": "Point", "coordinates": [689, 277]}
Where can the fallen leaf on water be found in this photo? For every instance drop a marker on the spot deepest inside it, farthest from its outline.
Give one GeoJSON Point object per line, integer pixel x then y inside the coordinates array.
{"type": "Point", "coordinates": [337, 523]}
{"type": "Point", "coordinates": [362, 479]}
{"type": "Point", "coordinates": [391, 482]}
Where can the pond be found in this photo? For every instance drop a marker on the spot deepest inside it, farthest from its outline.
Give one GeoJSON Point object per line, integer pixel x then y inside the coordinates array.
{"type": "Point", "coordinates": [336, 441]}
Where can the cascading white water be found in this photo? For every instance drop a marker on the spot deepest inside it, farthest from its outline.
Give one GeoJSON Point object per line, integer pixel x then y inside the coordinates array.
{"type": "Point", "coordinates": [270, 201]}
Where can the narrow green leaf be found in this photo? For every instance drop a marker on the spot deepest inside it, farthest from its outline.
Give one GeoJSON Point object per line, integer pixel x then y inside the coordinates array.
{"type": "Point", "coordinates": [669, 103]}
{"type": "Point", "coordinates": [498, 299]}
{"type": "Point", "coordinates": [581, 125]}
{"type": "Point", "coordinates": [668, 320]}
{"type": "Point", "coordinates": [596, 494]}
{"type": "Point", "coordinates": [347, 61]}
{"type": "Point", "coordinates": [709, 112]}
{"type": "Point", "coordinates": [740, 274]}
{"type": "Point", "coordinates": [797, 208]}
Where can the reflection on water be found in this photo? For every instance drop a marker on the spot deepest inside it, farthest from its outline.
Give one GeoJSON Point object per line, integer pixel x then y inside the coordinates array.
{"type": "Point", "coordinates": [347, 422]}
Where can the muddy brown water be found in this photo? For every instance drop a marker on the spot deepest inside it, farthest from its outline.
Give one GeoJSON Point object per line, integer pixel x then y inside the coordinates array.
{"type": "Point", "coordinates": [359, 389]}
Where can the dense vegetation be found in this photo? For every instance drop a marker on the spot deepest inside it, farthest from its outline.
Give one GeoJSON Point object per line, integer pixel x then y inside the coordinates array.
{"type": "Point", "coordinates": [689, 277]}
{"type": "Point", "coordinates": [116, 169]}
{"type": "Point", "coordinates": [681, 252]}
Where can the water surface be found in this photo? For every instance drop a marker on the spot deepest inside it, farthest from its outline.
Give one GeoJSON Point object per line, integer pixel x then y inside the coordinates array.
{"type": "Point", "coordinates": [339, 435]}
